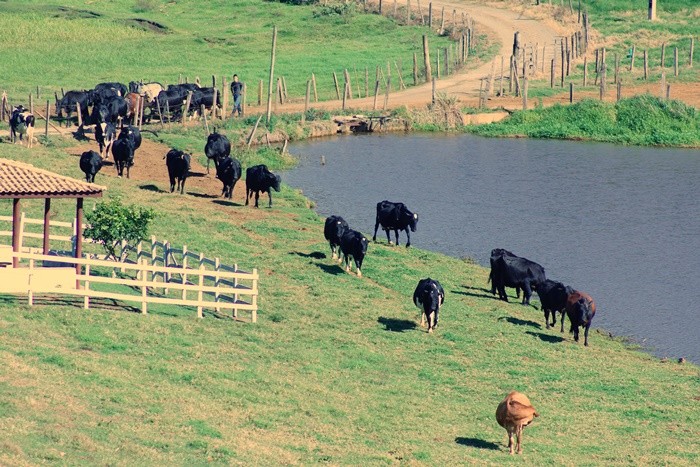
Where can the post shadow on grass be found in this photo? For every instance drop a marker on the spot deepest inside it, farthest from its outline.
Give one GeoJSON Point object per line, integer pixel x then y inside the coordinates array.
{"type": "Point", "coordinates": [546, 337]}
{"type": "Point", "coordinates": [477, 443]}
{"type": "Point", "coordinates": [396, 325]}
{"type": "Point", "coordinates": [520, 322]}
{"type": "Point", "coordinates": [314, 254]}
{"type": "Point", "coordinates": [152, 187]}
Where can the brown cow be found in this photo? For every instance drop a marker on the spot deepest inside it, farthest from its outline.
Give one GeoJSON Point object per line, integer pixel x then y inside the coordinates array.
{"type": "Point", "coordinates": [513, 414]}
{"type": "Point", "coordinates": [580, 308]}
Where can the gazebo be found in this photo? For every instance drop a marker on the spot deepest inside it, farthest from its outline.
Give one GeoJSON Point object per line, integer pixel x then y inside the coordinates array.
{"type": "Point", "coordinates": [20, 181]}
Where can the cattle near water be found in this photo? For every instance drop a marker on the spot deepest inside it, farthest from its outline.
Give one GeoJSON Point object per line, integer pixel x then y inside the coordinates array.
{"type": "Point", "coordinates": [354, 245]}
{"type": "Point", "coordinates": [429, 296]}
{"type": "Point", "coordinates": [333, 230]}
{"type": "Point", "coordinates": [260, 179]}
{"type": "Point", "coordinates": [514, 271]}
{"type": "Point", "coordinates": [395, 216]}
{"type": "Point", "coordinates": [580, 308]}
{"type": "Point", "coordinates": [553, 296]}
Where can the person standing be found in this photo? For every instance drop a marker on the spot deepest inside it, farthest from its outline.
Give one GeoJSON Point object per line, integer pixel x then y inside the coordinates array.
{"type": "Point", "coordinates": [237, 91]}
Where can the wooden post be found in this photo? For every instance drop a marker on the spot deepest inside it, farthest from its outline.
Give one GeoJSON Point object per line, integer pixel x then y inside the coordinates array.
{"type": "Point", "coordinates": [668, 92]}
{"type": "Point", "coordinates": [602, 82]}
{"type": "Point", "coordinates": [306, 100]}
{"type": "Point", "coordinates": [646, 65]}
{"type": "Point", "coordinates": [617, 66]}
{"type": "Point", "coordinates": [188, 102]}
{"type": "Point", "coordinates": [280, 91]}
{"type": "Point", "coordinates": [380, 7]}
{"type": "Point", "coordinates": [337, 89]}
{"type": "Point", "coordinates": [571, 92]}
{"type": "Point", "coordinates": [442, 21]}
{"type": "Point", "coordinates": [260, 92]}
{"type": "Point", "coordinates": [78, 237]}
{"type": "Point", "coordinates": [544, 56]}
{"type": "Point", "coordinates": [272, 73]}
{"type": "Point", "coordinates": [585, 71]}
{"type": "Point", "coordinates": [284, 89]}
{"type": "Point", "coordinates": [244, 91]}
{"type": "Point", "coordinates": [690, 57]}
{"type": "Point", "coordinates": [47, 224]}
{"type": "Point", "coordinates": [80, 117]}
{"type": "Point", "coordinates": [366, 82]}
{"type": "Point", "coordinates": [345, 94]}
{"type": "Point", "coordinates": [430, 15]}
{"type": "Point", "coordinates": [563, 64]}
{"type": "Point", "coordinates": [426, 59]}
{"type": "Point", "coordinates": [663, 84]}
{"type": "Point", "coordinates": [433, 92]}
{"type": "Point", "coordinates": [252, 133]}
{"type": "Point", "coordinates": [675, 61]}
{"type": "Point", "coordinates": [376, 92]}
{"type": "Point", "coordinates": [348, 86]}
{"type": "Point", "coordinates": [619, 90]}
{"type": "Point", "coordinates": [408, 12]}
{"type": "Point", "coordinates": [663, 55]}
{"type": "Point", "coordinates": [16, 230]}
{"type": "Point", "coordinates": [31, 104]}
{"type": "Point", "coordinates": [500, 88]}
{"type": "Point", "coordinates": [652, 10]}
{"type": "Point", "coordinates": [200, 293]}
{"type": "Point", "coordinates": [447, 61]}
{"type": "Point", "coordinates": [525, 80]}
{"type": "Point", "coordinates": [518, 88]}
{"type": "Point", "coordinates": [46, 126]}
{"type": "Point", "coordinates": [551, 76]}
{"type": "Point", "coordinates": [388, 89]}
{"type": "Point", "coordinates": [437, 63]}
{"type": "Point", "coordinates": [313, 83]}
{"type": "Point", "coordinates": [395, 8]}
{"type": "Point", "coordinates": [634, 50]}
{"type": "Point", "coordinates": [415, 68]}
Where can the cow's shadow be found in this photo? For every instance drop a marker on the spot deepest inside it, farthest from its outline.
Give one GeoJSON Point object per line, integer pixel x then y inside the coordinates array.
{"type": "Point", "coordinates": [477, 443]}
{"type": "Point", "coordinates": [314, 255]}
{"type": "Point", "coordinates": [196, 174]}
{"type": "Point", "coordinates": [486, 294]}
{"type": "Point", "coordinates": [520, 322]}
{"type": "Point", "coordinates": [334, 269]}
{"type": "Point", "coordinates": [151, 187]}
{"type": "Point", "coordinates": [223, 202]}
{"type": "Point", "coordinates": [203, 195]}
{"type": "Point", "coordinates": [397, 325]}
{"type": "Point", "coordinates": [546, 337]}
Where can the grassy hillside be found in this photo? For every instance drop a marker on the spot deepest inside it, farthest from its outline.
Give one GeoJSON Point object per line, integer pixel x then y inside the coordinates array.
{"type": "Point", "coordinates": [337, 369]}
{"type": "Point", "coordinates": [76, 45]}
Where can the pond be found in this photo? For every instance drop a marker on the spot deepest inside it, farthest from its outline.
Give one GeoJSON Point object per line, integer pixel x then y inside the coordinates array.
{"type": "Point", "coordinates": [621, 223]}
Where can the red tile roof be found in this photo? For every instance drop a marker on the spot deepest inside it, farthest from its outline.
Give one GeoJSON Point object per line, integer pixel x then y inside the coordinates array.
{"type": "Point", "coordinates": [19, 180]}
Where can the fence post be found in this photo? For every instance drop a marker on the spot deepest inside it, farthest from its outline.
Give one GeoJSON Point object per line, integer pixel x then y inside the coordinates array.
{"type": "Point", "coordinates": [430, 15]}
{"type": "Point", "coordinates": [646, 65]}
{"type": "Point", "coordinates": [86, 300]}
{"type": "Point", "coordinates": [571, 92]}
{"type": "Point", "coordinates": [426, 59]}
{"type": "Point", "coordinates": [313, 83]}
{"type": "Point", "coordinates": [200, 295]}
{"type": "Point", "coordinates": [634, 49]}
{"type": "Point", "coordinates": [663, 85]}
{"type": "Point", "coordinates": [675, 61]}
{"type": "Point", "coordinates": [30, 292]}
{"type": "Point", "coordinates": [619, 90]}
{"type": "Point", "coordinates": [184, 268]}
{"type": "Point", "coordinates": [692, 46]}
{"type": "Point", "coordinates": [585, 71]}
{"type": "Point", "coordinates": [663, 55]}
{"type": "Point", "coordinates": [166, 253]}
{"type": "Point", "coordinates": [551, 76]}
{"type": "Point", "coordinates": [525, 86]}
{"type": "Point", "coordinates": [144, 289]}
{"type": "Point", "coordinates": [46, 127]}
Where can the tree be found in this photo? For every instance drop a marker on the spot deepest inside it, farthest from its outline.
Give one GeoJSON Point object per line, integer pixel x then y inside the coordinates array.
{"type": "Point", "coordinates": [112, 222]}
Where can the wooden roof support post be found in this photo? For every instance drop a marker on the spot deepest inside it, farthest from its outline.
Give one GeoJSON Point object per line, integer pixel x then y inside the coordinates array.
{"type": "Point", "coordinates": [78, 237]}
{"type": "Point", "coordinates": [15, 230]}
{"type": "Point", "coordinates": [47, 209]}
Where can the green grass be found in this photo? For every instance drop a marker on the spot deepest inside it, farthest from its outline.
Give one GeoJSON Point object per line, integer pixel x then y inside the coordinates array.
{"type": "Point", "coordinates": [76, 45]}
{"type": "Point", "coordinates": [337, 369]}
{"type": "Point", "coordinates": [641, 120]}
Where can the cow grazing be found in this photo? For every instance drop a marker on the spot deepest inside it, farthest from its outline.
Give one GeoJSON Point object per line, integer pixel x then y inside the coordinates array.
{"type": "Point", "coordinates": [229, 171]}
{"type": "Point", "coordinates": [259, 179]}
{"type": "Point", "coordinates": [90, 164]}
{"type": "Point", "coordinates": [495, 253]}
{"type": "Point", "coordinates": [333, 230]}
{"type": "Point", "coordinates": [70, 102]}
{"type": "Point", "coordinates": [580, 308]}
{"type": "Point", "coordinates": [429, 297]}
{"type": "Point", "coordinates": [514, 413]}
{"type": "Point", "coordinates": [178, 164]}
{"type": "Point", "coordinates": [395, 216]}
{"type": "Point", "coordinates": [123, 152]}
{"type": "Point", "coordinates": [517, 272]}
{"type": "Point", "coordinates": [105, 135]}
{"type": "Point", "coordinates": [354, 244]}
{"type": "Point", "coordinates": [22, 123]}
{"type": "Point", "coordinates": [553, 296]}
{"type": "Point", "coordinates": [217, 148]}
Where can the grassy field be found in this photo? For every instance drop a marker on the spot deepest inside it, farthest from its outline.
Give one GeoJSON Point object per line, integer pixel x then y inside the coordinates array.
{"type": "Point", "coordinates": [337, 369]}
{"type": "Point", "coordinates": [76, 45]}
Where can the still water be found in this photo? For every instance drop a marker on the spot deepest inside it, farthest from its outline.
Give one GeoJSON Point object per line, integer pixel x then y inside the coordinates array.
{"type": "Point", "coordinates": [621, 223]}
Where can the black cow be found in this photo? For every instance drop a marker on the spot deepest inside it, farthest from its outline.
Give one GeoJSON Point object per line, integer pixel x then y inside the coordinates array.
{"type": "Point", "coordinates": [218, 147]}
{"type": "Point", "coordinates": [123, 152]}
{"type": "Point", "coordinates": [204, 97]}
{"type": "Point", "coordinates": [395, 216]}
{"type": "Point", "coordinates": [133, 133]}
{"type": "Point", "coordinates": [517, 272]}
{"type": "Point", "coordinates": [70, 102]}
{"type": "Point", "coordinates": [580, 308]}
{"type": "Point", "coordinates": [553, 296]}
{"type": "Point", "coordinates": [333, 231]}
{"type": "Point", "coordinates": [258, 178]}
{"type": "Point", "coordinates": [22, 123]}
{"type": "Point", "coordinates": [112, 109]}
{"type": "Point", "coordinates": [229, 171]}
{"type": "Point", "coordinates": [184, 86]}
{"type": "Point", "coordinates": [105, 134]}
{"type": "Point", "coordinates": [354, 244]}
{"type": "Point", "coordinates": [111, 88]}
{"type": "Point", "coordinates": [495, 253]}
{"type": "Point", "coordinates": [178, 164]}
{"type": "Point", "coordinates": [429, 296]}
{"type": "Point", "coordinates": [170, 100]}
{"type": "Point", "coordinates": [90, 164]}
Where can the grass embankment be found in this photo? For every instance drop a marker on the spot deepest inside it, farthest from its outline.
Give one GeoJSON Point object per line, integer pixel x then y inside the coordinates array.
{"type": "Point", "coordinates": [75, 46]}
{"type": "Point", "coordinates": [336, 370]}
{"type": "Point", "coordinates": [642, 120]}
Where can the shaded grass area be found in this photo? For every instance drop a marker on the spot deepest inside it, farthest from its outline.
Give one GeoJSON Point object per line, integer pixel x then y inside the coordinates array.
{"type": "Point", "coordinates": [641, 120]}
{"type": "Point", "coordinates": [337, 370]}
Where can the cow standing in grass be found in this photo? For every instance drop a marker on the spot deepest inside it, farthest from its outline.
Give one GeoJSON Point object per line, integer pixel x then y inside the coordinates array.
{"type": "Point", "coordinates": [333, 230]}
{"type": "Point", "coordinates": [514, 413]}
{"type": "Point", "coordinates": [217, 148]}
{"type": "Point", "coordinates": [178, 164]}
{"type": "Point", "coordinates": [354, 244]}
{"type": "Point", "coordinates": [553, 296]}
{"type": "Point", "coordinates": [429, 297]}
{"type": "Point", "coordinates": [580, 308]}
{"type": "Point", "coordinates": [395, 216]}
{"type": "Point", "coordinates": [90, 164]}
{"type": "Point", "coordinates": [21, 124]}
{"type": "Point", "coordinates": [229, 171]}
{"type": "Point", "coordinates": [259, 179]}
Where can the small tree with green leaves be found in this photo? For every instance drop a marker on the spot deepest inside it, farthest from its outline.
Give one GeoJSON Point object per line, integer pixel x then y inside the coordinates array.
{"type": "Point", "coordinates": [112, 222]}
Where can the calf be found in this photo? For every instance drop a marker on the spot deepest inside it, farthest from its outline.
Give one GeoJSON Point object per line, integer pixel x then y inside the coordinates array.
{"type": "Point", "coordinates": [228, 170]}
{"type": "Point", "coordinates": [580, 308]}
{"type": "Point", "coordinates": [123, 152]}
{"type": "Point", "coordinates": [514, 413]}
{"type": "Point", "coordinates": [217, 148]}
{"type": "Point", "coordinates": [258, 178]}
{"type": "Point", "coordinates": [333, 231]}
{"type": "Point", "coordinates": [105, 134]}
{"type": "Point", "coordinates": [395, 216]}
{"type": "Point", "coordinates": [90, 164]}
{"type": "Point", "coordinates": [429, 296]}
{"type": "Point", "coordinates": [517, 272]}
{"type": "Point", "coordinates": [178, 164]}
{"type": "Point", "coordinates": [353, 244]}
{"type": "Point", "coordinates": [22, 123]}
{"type": "Point", "coordinates": [553, 296]}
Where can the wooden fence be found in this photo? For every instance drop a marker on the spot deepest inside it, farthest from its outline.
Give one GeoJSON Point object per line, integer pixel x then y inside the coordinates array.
{"type": "Point", "coordinates": [166, 267]}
